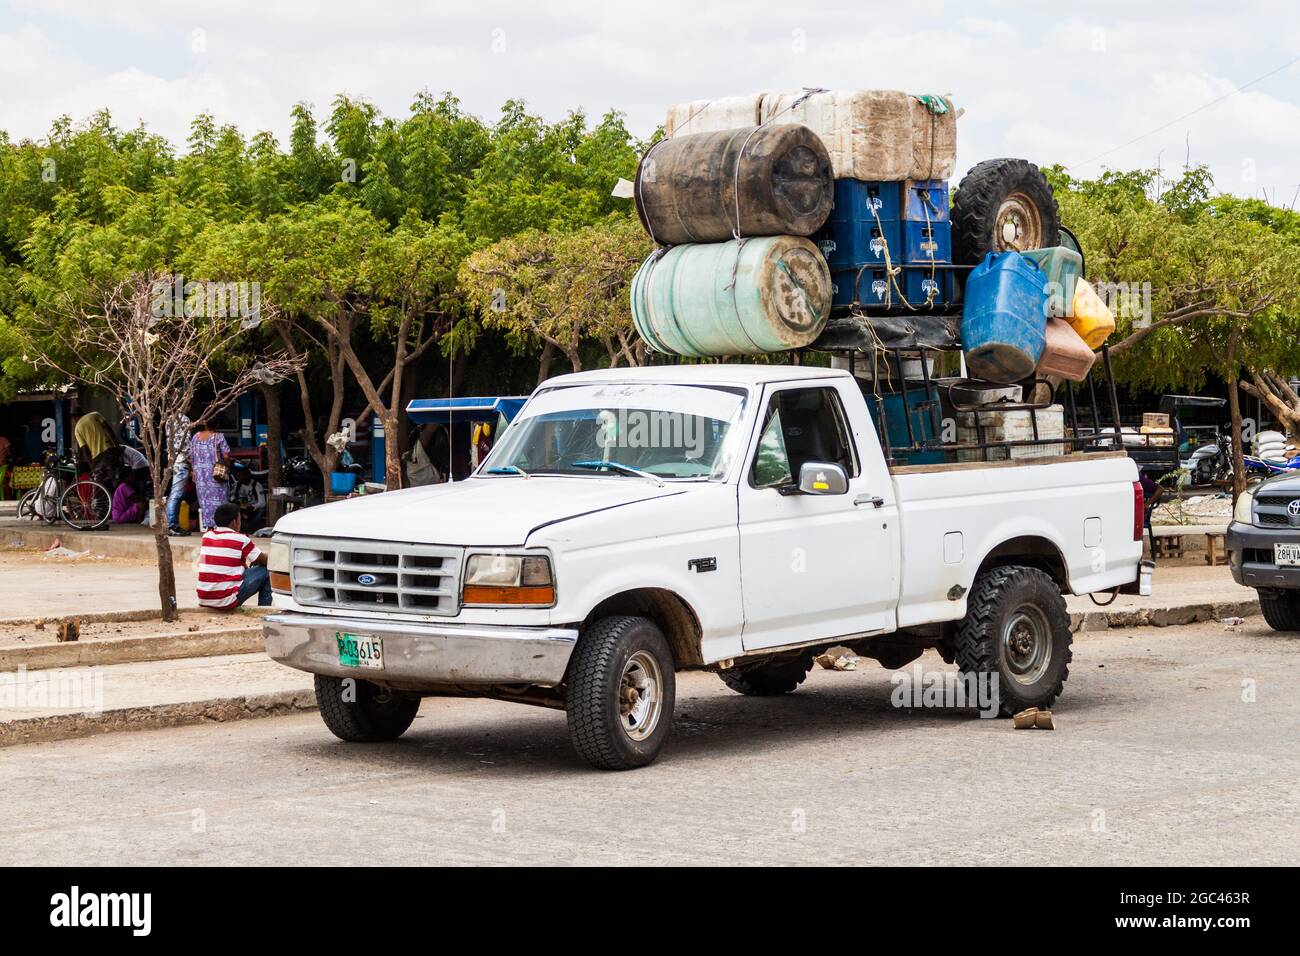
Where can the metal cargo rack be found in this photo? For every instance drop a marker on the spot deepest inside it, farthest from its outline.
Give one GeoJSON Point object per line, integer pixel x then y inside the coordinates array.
{"type": "Point", "coordinates": [889, 341]}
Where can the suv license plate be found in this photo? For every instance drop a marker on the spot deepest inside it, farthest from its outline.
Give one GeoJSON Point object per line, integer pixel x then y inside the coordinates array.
{"type": "Point", "coordinates": [358, 651]}
{"type": "Point", "coordinates": [1286, 554]}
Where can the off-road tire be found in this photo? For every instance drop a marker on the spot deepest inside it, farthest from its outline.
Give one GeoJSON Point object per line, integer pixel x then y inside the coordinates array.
{"type": "Point", "coordinates": [376, 714]}
{"type": "Point", "coordinates": [593, 685]}
{"type": "Point", "coordinates": [982, 193]}
{"type": "Point", "coordinates": [768, 678]}
{"type": "Point", "coordinates": [996, 596]}
{"type": "Point", "coordinates": [1281, 609]}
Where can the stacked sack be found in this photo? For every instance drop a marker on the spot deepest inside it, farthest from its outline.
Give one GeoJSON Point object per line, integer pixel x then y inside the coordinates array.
{"type": "Point", "coordinates": [734, 192]}
{"type": "Point", "coordinates": [1032, 313]}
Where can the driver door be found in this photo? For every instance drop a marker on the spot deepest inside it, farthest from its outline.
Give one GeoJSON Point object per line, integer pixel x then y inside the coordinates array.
{"type": "Point", "coordinates": [812, 566]}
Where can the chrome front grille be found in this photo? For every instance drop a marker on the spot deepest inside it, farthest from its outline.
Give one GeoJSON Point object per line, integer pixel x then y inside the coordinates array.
{"type": "Point", "coordinates": [375, 575]}
{"type": "Point", "coordinates": [1274, 510]}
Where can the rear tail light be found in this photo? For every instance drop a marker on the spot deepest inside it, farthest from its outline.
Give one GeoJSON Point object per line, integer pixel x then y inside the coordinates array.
{"type": "Point", "coordinates": [1139, 505]}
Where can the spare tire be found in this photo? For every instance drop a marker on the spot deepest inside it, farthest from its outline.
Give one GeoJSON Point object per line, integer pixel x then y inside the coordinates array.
{"type": "Point", "coordinates": [1003, 204]}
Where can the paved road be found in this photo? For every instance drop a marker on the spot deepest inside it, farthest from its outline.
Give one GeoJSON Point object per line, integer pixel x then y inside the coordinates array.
{"type": "Point", "coordinates": [1157, 759]}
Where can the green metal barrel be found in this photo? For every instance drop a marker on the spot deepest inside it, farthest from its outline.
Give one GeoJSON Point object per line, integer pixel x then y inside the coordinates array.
{"type": "Point", "coordinates": [743, 297]}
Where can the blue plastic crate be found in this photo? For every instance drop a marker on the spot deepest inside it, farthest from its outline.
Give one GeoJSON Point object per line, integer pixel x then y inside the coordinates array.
{"type": "Point", "coordinates": [918, 281]}
{"type": "Point", "coordinates": [850, 244]}
{"type": "Point", "coordinates": [924, 242]}
{"type": "Point", "coordinates": [910, 287]}
{"type": "Point", "coordinates": [864, 199]}
{"type": "Point", "coordinates": [922, 198]}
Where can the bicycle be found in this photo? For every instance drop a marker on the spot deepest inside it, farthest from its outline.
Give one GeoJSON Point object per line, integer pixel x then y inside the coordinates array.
{"type": "Point", "coordinates": [84, 504]}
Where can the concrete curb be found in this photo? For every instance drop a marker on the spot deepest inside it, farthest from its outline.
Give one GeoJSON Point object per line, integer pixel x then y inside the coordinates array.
{"type": "Point", "coordinates": [130, 650]}
{"type": "Point", "coordinates": [139, 547]}
{"type": "Point", "coordinates": [156, 717]}
{"type": "Point", "coordinates": [1101, 619]}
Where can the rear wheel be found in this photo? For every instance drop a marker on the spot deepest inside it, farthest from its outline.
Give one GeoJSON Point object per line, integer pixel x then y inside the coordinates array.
{"type": "Point", "coordinates": [621, 690]}
{"type": "Point", "coordinates": [86, 505]}
{"type": "Point", "coordinates": [1016, 631]}
{"type": "Point", "coordinates": [768, 678]}
{"type": "Point", "coordinates": [1281, 609]}
{"type": "Point", "coordinates": [361, 712]}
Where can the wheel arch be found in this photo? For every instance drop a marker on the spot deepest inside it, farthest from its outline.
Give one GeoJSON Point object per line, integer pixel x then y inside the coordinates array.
{"type": "Point", "coordinates": [1030, 550]}
{"type": "Point", "coordinates": [670, 612]}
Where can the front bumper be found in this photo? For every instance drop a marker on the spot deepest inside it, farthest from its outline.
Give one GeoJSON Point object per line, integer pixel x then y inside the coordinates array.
{"type": "Point", "coordinates": [424, 653]}
{"type": "Point", "coordinates": [1250, 555]}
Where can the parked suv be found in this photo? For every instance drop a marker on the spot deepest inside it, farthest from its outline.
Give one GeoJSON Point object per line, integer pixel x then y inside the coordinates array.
{"type": "Point", "coordinates": [1264, 548]}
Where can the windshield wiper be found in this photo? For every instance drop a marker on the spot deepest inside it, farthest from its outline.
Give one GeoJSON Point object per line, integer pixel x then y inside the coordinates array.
{"type": "Point", "coordinates": [619, 467]}
{"type": "Point", "coordinates": [507, 470]}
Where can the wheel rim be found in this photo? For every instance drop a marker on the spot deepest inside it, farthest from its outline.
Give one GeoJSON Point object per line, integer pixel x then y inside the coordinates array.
{"type": "Point", "coordinates": [1018, 225]}
{"type": "Point", "coordinates": [1027, 644]}
{"type": "Point", "coordinates": [86, 505]}
{"type": "Point", "coordinates": [640, 696]}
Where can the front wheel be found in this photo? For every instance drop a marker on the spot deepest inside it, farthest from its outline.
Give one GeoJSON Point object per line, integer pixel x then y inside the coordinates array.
{"type": "Point", "coordinates": [1281, 609]}
{"type": "Point", "coordinates": [86, 505]}
{"type": "Point", "coordinates": [621, 689]}
{"type": "Point", "coordinates": [1017, 632]}
{"type": "Point", "coordinates": [361, 712]}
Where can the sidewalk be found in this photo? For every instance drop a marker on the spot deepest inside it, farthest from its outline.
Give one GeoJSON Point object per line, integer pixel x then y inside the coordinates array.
{"type": "Point", "coordinates": [134, 542]}
{"type": "Point", "coordinates": [58, 704]}
{"type": "Point", "coordinates": [1181, 593]}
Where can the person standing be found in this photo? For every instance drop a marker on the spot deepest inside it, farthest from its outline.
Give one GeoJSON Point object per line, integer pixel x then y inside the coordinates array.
{"type": "Point", "coordinates": [178, 446]}
{"type": "Point", "coordinates": [210, 461]}
{"type": "Point", "coordinates": [231, 568]}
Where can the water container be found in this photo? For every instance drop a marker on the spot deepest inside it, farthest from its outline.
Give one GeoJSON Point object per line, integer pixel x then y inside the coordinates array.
{"type": "Point", "coordinates": [767, 294]}
{"type": "Point", "coordinates": [1090, 317]}
{"type": "Point", "coordinates": [342, 482]}
{"type": "Point", "coordinates": [1064, 353]}
{"type": "Point", "coordinates": [1063, 267]}
{"type": "Point", "coordinates": [1004, 318]}
{"type": "Point", "coordinates": [764, 181]}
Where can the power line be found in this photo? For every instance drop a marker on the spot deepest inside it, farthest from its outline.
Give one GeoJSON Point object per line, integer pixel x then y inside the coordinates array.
{"type": "Point", "coordinates": [1179, 119]}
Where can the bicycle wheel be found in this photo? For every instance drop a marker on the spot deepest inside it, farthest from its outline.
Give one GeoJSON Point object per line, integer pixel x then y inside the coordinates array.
{"type": "Point", "coordinates": [27, 505]}
{"type": "Point", "coordinates": [86, 505]}
{"type": "Point", "coordinates": [39, 505]}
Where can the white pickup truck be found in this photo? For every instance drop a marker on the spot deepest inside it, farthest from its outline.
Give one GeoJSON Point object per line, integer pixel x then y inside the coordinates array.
{"type": "Point", "coordinates": [631, 523]}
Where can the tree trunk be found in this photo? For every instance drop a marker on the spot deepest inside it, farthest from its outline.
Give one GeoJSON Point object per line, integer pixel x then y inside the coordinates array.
{"type": "Point", "coordinates": [166, 568]}
{"type": "Point", "coordinates": [1234, 411]}
{"type": "Point", "coordinates": [392, 454]}
{"type": "Point", "coordinates": [544, 363]}
{"type": "Point", "coordinates": [275, 462]}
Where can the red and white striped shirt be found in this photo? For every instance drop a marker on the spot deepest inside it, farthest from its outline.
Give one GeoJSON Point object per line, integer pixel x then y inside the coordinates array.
{"type": "Point", "coordinates": [222, 559]}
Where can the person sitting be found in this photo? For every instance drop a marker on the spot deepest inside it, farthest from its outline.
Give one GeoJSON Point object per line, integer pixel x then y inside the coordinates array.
{"type": "Point", "coordinates": [128, 501]}
{"type": "Point", "coordinates": [247, 492]}
{"type": "Point", "coordinates": [231, 568]}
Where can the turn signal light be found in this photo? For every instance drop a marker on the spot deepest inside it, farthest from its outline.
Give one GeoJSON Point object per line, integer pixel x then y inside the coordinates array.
{"type": "Point", "coordinates": [496, 594]}
{"type": "Point", "coordinates": [280, 582]}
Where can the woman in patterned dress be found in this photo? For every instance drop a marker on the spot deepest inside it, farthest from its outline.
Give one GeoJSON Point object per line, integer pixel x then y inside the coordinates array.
{"type": "Point", "coordinates": [208, 448]}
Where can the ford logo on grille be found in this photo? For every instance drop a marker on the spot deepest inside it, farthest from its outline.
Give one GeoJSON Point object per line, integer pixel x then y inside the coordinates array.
{"type": "Point", "coordinates": [367, 579]}
{"type": "Point", "coordinates": [1293, 509]}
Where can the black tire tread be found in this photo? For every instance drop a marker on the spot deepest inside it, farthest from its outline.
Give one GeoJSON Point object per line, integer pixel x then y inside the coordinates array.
{"type": "Point", "coordinates": [768, 678]}
{"type": "Point", "coordinates": [978, 197]}
{"type": "Point", "coordinates": [976, 642]}
{"type": "Point", "coordinates": [1281, 609]}
{"type": "Point", "coordinates": [590, 729]}
{"type": "Point", "coordinates": [362, 721]}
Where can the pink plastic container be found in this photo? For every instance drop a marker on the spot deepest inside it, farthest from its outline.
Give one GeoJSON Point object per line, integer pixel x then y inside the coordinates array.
{"type": "Point", "coordinates": [1065, 354]}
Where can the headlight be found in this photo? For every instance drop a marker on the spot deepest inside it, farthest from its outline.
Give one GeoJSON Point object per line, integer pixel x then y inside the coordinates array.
{"type": "Point", "coordinates": [515, 579]}
{"type": "Point", "coordinates": [277, 564]}
{"type": "Point", "coordinates": [1241, 512]}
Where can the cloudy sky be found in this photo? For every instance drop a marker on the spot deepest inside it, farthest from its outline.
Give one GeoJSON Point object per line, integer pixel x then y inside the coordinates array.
{"type": "Point", "coordinates": [1121, 84]}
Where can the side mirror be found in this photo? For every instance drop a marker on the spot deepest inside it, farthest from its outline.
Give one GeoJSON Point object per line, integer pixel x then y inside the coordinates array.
{"type": "Point", "coordinates": [822, 478]}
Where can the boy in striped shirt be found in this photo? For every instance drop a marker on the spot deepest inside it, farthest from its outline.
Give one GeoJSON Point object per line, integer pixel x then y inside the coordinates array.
{"type": "Point", "coordinates": [231, 568]}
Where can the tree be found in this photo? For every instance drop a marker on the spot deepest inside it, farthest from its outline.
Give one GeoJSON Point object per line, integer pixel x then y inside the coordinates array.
{"type": "Point", "coordinates": [564, 290]}
{"type": "Point", "coordinates": [161, 365]}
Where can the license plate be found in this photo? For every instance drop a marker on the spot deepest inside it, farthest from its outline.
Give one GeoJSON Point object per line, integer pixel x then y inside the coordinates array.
{"type": "Point", "coordinates": [358, 651]}
{"type": "Point", "coordinates": [1286, 554]}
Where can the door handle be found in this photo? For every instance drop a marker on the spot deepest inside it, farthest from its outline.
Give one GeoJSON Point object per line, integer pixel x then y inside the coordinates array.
{"type": "Point", "coordinates": [874, 500]}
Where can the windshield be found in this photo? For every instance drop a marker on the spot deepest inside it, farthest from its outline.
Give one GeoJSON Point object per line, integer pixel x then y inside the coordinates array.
{"type": "Point", "coordinates": [668, 431]}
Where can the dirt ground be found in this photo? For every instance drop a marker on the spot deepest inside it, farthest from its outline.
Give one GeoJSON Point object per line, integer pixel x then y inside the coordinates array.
{"type": "Point", "coordinates": [194, 622]}
{"type": "Point", "coordinates": [37, 584]}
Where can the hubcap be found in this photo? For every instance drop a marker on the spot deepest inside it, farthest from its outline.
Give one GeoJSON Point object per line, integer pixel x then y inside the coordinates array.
{"type": "Point", "coordinates": [1027, 644]}
{"type": "Point", "coordinates": [640, 696]}
{"type": "Point", "coordinates": [1019, 225]}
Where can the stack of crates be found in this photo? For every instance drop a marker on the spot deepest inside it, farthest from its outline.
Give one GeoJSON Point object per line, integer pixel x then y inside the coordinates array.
{"type": "Point", "coordinates": [909, 220]}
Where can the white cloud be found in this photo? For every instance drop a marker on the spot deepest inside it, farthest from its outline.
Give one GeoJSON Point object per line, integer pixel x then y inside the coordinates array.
{"type": "Point", "coordinates": [1050, 88]}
